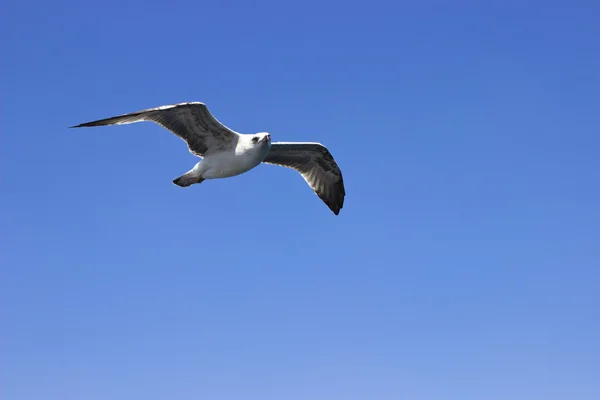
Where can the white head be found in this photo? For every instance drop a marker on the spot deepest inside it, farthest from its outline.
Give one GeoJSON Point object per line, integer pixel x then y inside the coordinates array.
{"type": "Point", "coordinates": [261, 139]}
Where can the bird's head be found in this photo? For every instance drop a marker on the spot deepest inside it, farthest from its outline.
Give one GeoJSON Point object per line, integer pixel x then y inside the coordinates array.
{"type": "Point", "coordinates": [261, 139]}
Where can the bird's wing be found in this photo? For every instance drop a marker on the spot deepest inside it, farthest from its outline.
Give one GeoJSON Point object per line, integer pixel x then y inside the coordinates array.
{"type": "Point", "coordinates": [192, 122]}
{"type": "Point", "coordinates": [316, 165]}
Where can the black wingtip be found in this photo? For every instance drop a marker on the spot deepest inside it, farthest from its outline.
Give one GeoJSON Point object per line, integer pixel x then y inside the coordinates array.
{"type": "Point", "coordinates": [81, 125]}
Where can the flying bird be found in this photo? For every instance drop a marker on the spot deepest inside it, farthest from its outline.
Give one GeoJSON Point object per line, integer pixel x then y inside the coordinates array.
{"type": "Point", "coordinates": [225, 153]}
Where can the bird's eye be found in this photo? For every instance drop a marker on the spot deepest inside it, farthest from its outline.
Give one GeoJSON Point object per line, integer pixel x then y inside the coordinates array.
{"type": "Point", "coordinates": [254, 139]}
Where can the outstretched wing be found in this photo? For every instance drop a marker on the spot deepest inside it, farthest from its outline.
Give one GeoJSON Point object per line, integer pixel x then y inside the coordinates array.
{"type": "Point", "coordinates": [192, 122]}
{"type": "Point", "coordinates": [316, 165]}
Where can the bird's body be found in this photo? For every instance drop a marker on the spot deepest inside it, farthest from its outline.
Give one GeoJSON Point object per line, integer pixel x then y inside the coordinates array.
{"type": "Point", "coordinates": [226, 153]}
{"type": "Point", "coordinates": [234, 161]}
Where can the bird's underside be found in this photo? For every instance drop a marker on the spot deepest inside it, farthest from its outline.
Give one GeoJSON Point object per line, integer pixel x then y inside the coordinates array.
{"type": "Point", "coordinates": [208, 138]}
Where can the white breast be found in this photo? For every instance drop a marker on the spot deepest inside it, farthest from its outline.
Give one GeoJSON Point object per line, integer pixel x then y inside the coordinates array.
{"type": "Point", "coordinates": [226, 164]}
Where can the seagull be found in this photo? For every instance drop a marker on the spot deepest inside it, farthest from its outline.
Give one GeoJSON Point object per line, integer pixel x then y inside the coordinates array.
{"type": "Point", "coordinates": [225, 153]}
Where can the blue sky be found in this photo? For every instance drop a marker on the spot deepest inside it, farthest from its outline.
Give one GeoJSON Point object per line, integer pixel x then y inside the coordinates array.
{"type": "Point", "coordinates": [464, 264]}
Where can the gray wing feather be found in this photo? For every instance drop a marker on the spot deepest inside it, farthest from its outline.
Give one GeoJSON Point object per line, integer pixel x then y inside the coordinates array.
{"type": "Point", "coordinates": [192, 122]}
{"type": "Point", "coordinates": [316, 165]}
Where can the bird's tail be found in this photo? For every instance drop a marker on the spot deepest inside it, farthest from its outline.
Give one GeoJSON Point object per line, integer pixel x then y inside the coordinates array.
{"type": "Point", "coordinates": [188, 179]}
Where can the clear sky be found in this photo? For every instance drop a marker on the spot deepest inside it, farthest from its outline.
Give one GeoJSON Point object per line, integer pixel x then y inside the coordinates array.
{"type": "Point", "coordinates": [464, 264]}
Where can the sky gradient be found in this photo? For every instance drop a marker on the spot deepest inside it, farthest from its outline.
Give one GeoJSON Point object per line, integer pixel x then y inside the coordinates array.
{"type": "Point", "coordinates": [464, 264]}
